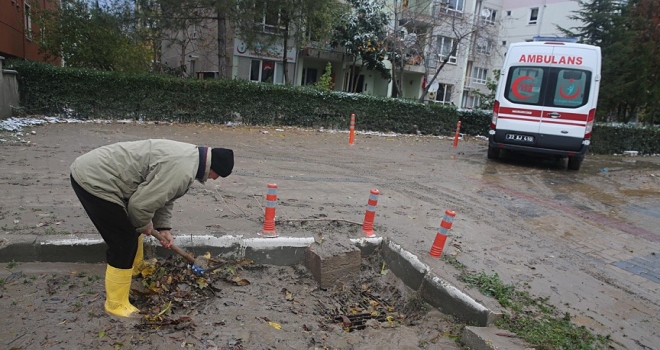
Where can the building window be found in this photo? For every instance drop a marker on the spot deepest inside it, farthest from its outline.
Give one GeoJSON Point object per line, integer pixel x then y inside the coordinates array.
{"type": "Point", "coordinates": [269, 20]}
{"type": "Point", "coordinates": [193, 68]}
{"type": "Point", "coordinates": [533, 15]}
{"type": "Point", "coordinates": [503, 42]}
{"type": "Point", "coordinates": [28, 22]}
{"type": "Point", "coordinates": [445, 46]}
{"type": "Point", "coordinates": [488, 15]}
{"type": "Point", "coordinates": [309, 76]}
{"type": "Point", "coordinates": [453, 7]}
{"type": "Point", "coordinates": [508, 13]}
{"type": "Point", "coordinates": [267, 72]}
{"type": "Point", "coordinates": [443, 95]}
{"type": "Point", "coordinates": [471, 101]}
{"type": "Point", "coordinates": [479, 75]}
{"type": "Point", "coordinates": [483, 46]}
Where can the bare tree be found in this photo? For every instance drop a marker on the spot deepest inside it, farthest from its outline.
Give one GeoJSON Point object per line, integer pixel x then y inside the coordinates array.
{"type": "Point", "coordinates": [432, 34]}
{"type": "Point", "coordinates": [471, 34]}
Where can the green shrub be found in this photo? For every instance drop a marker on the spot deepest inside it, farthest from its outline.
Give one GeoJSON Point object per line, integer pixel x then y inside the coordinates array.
{"type": "Point", "coordinates": [611, 139]}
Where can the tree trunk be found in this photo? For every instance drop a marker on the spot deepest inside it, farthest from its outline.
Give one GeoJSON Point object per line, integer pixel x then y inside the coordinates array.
{"type": "Point", "coordinates": [222, 43]}
{"type": "Point", "coordinates": [284, 54]}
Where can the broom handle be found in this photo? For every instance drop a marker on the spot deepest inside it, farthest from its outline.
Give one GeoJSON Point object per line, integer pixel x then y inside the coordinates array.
{"type": "Point", "coordinates": [176, 249]}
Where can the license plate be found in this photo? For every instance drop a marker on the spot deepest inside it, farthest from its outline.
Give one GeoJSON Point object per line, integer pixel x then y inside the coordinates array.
{"type": "Point", "coordinates": [521, 138]}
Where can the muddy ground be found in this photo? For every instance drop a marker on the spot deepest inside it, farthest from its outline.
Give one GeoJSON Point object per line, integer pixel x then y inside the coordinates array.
{"type": "Point", "coordinates": [572, 237]}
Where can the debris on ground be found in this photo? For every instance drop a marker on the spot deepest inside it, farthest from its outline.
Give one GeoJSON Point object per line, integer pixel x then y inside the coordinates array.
{"type": "Point", "coordinates": [168, 284]}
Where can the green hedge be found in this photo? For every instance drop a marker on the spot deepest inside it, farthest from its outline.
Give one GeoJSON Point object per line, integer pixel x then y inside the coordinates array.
{"type": "Point", "coordinates": [615, 139]}
{"type": "Point", "coordinates": [113, 95]}
{"type": "Point", "coordinates": [45, 89]}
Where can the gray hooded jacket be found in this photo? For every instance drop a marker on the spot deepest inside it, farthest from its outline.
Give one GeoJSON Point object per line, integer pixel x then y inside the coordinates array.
{"type": "Point", "coordinates": [145, 177]}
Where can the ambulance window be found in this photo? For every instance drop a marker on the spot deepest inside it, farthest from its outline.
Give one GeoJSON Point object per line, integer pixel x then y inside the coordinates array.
{"type": "Point", "coordinates": [572, 88]}
{"type": "Point", "coordinates": [524, 85]}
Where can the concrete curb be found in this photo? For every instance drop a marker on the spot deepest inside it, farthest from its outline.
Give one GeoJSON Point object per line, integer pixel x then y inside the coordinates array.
{"type": "Point", "coordinates": [433, 289]}
{"type": "Point", "coordinates": [279, 251]}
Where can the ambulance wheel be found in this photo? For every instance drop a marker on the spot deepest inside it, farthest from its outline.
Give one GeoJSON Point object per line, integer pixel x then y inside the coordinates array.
{"type": "Point", "coordinates": [574, 163]}
{"type": "Point", "coordinates": [493, 152]}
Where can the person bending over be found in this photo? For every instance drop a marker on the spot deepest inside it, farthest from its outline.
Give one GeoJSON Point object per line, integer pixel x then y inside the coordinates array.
{"type": "Point", "coordinates": [128, 189]}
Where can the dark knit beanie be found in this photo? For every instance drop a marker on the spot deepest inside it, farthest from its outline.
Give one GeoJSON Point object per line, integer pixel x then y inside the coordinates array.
{"type": "Point", "coordinates": [222, 161]}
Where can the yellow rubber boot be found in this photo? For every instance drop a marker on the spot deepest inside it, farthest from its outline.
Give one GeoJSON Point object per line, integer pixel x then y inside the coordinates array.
{"type": "Point", "coordinates": [139, 257]}
{"type": "Point", "coordinates": [117, 286]}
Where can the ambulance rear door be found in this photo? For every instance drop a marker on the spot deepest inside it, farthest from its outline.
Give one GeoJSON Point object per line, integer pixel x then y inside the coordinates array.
{"type": "Point", "coordinates": [521, 108]}
{"type": "Point", "coordinates": [568, 98]}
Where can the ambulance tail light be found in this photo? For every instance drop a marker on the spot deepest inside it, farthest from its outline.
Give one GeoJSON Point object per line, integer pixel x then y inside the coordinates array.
{"type": "Point", "coordinates": [590, 123]}
{"type": "Point", "coordinates": [496, 111]}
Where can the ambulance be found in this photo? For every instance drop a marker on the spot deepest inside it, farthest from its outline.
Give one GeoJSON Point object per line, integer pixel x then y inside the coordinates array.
{"type": "Point", "coordinates": [546, 99]}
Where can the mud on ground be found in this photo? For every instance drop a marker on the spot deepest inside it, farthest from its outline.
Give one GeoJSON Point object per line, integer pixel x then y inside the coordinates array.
{"type": "Point", "coordinates": [579, 239]}
{"type": "Point", "coordinates": [60, 306]}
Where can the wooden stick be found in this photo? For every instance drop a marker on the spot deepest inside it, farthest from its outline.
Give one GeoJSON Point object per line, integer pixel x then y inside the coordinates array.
{"type": "Point", "coordinates": [176, 249]}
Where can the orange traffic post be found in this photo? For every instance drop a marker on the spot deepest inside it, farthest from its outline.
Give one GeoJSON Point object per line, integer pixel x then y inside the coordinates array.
{"type": "Point", "coordinates": [269, 217]}
{"type": "Point", "coordinates": [458, 129]}
{"type": "Point", "coordinates": [443, 232]}
{"type": "Point", "coordinates": [351, 133]}
{"type": "Point", "coordinates": [368, 224]}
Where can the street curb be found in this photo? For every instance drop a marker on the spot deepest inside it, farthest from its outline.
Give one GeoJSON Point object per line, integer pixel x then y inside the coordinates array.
{"type": "Point", "coordinates": [278, 251]}
{"type": "Point", "coordinates": [433, 289]}
{"type": "Point", "coordinates": [491, 338]}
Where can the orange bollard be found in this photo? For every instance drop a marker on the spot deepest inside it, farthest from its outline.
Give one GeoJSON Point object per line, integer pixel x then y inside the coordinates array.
{"type": "Point", "coordinates": [269, 217]}
{"type": "Point", "coordinates": [443, 232]}
{"type": "Point", "coordinates": [458, 128]}
{"type": "Point", "coordinates": [351, 133]}
{"type": "Point", "coordinates": [368, 224]}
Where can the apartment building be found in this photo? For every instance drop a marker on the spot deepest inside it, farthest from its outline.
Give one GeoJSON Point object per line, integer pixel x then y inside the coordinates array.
{"type": "Point", "coordinates": [453, 46]}
{"type": "Point", "coordinates": [17, 30]}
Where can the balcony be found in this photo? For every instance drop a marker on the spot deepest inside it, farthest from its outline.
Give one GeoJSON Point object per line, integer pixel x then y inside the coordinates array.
{"type": "Point", "coordinates": [331, 55]}
{"type": "Point", "coordinates": [474, 83]}
{"type": "Point", "coordinates": [415, 63]}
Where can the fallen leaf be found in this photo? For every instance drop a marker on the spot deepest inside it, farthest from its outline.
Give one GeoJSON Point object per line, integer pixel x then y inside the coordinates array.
{"type": "Point", "coordinates": [202, 283]}
{"type": "Point", "coordinates": [275, 325]}
{"type": "Point", "coordinates": [287, 295]}
{"type": "Point", "coordinates": [101, 334]}
{"type": "Point", "coordinates": [165, 309]}
{"type": "Point", "coordinates": [345, 320]}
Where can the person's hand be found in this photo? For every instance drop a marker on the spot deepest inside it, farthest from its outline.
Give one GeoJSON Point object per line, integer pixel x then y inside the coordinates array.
{"type": "Point", "coordinates": [167, 240]}
{"type": "Point", "coordinates": [147, 231]}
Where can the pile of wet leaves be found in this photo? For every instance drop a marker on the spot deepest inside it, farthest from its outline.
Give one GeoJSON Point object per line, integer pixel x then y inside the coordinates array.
{"type": "Point", "coordinates": [372, 300]}
{"type": "Point", "coordinates": [167, 285]}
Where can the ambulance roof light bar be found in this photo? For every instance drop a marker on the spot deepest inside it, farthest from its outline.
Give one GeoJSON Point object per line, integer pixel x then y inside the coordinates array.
{"type": "Point", "coordinates": [555, 39]}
